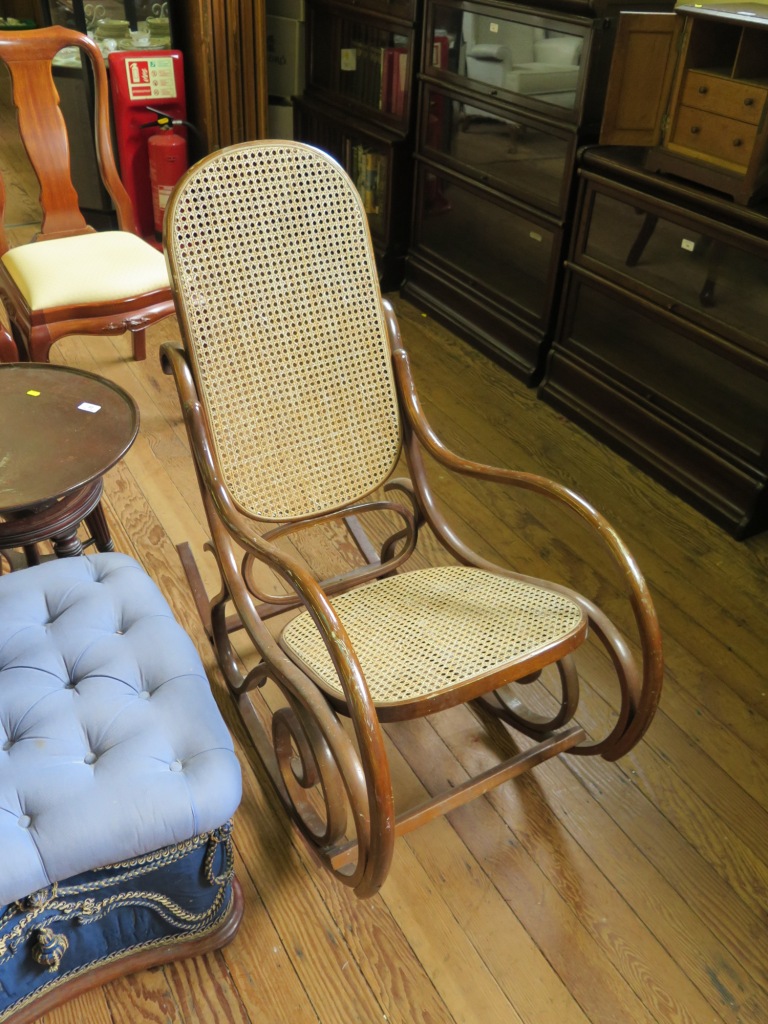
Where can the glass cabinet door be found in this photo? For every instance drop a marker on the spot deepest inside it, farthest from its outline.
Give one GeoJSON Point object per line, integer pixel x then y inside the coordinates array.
{"type": "Point", "coordinates": [509, 252]}
{"type": "Point", "coordinates": [690, 266]}
{"type": "Point", "coordinates": [670, 367]}
{"type": "Point", "coordinates": [531, 61]}
{"type": "Point", "coordinates": [518, 155]}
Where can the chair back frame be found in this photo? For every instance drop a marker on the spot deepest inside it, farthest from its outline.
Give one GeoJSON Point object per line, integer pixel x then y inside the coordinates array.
{"type": "Point", "coordinates": [330, 433]}
{"type": "Point", "coordinates": [29, 57]}
{"type": "Point", "coordinates": [43, 131]}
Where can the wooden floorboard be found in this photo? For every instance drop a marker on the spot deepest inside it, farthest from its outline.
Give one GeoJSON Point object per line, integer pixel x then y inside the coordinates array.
{"type": "Point", "coordinates": [583, 893]}
{"type": "Point", "coordinates": [587, 892]}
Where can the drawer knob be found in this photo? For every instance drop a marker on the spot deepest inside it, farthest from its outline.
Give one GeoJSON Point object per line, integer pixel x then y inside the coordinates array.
{"type": "Point", "coordinates": [695, 129]}
{"type": "Point", "coordinates": [738, 142]}
{"type": "Point", "coordinates": [749, 101]}
{"type": "Point", "coordinates": [703, 89]}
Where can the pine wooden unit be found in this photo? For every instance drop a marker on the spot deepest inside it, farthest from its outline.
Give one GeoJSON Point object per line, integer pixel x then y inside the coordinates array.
{"type": "Point", "coordinates": [661, 348]}
{"type": "Point", "coordinates": [693, 85]}
{"type": "Point", "coordinates": [358, 106]}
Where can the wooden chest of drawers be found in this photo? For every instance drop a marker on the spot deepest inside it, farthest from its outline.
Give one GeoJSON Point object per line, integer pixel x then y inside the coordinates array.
{"type": "Point", "coordinates": [693, 85]}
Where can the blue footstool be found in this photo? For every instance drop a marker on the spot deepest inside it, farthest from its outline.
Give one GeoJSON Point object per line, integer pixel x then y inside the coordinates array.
{"type": "Point", "coordinates": [118, 782]}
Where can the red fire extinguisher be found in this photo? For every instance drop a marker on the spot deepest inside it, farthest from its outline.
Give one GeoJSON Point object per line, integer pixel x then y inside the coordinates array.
{"type": "Point", "coordinates": [167, 153]}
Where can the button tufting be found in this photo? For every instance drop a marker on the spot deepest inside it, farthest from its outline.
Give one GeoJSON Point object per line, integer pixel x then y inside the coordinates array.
{"type": "Point", "coordinates": [44, 737]}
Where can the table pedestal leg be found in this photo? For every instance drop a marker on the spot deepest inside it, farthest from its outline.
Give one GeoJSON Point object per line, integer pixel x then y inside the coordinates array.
{"type": "Point", "coordinates": [67, 545]}
{"type": "Point", "coordinates": [97, 524]}
{"type": "Point", "coordinates": [58, 523]}
{"type": "Point", "coordinates": [31, 554]}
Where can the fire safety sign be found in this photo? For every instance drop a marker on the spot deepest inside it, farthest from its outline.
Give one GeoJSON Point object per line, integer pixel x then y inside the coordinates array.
{"type": "Point", "coordinates": [150, 78]}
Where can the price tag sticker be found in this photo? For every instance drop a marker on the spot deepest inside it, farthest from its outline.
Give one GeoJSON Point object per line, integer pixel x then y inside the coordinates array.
{"type": "Point", "coordinates": [349, 59]}
{"type": "Point", "coordinates": [88, 407]}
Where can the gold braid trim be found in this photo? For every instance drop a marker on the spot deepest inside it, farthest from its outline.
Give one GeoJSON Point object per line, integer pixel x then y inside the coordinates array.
{"type": "Point", "coordinates": [85, 911]}
{"type": "Point", "coordinates": [166, 940]}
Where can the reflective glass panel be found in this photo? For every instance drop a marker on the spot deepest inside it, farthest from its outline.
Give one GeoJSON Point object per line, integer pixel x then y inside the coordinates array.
{"type": "Point", "coordinates": [115, 25]}
{"type": "Point", "coordinates": [671, 368]}
{"type": "Point", "coordinates": [538, 61]}
{"type": "Point", "coordinates": [712, 278]}
{"type": "Point", "coordinates": [509, 253]}
{"type": "Point", "coordinates": [516, 156]}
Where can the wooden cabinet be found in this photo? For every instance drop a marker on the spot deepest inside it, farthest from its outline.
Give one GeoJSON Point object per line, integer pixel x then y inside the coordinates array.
{"type": "Point", "coordinates": [507, 95]}
{"type": "Point", "coordinates": [225, 61]}
{"type": "Point", "coordinates": [661, 348]}
{"type": "Point", "coordinates": [694, 86]}
{"type": "Point", "coordinates": [358, 106]}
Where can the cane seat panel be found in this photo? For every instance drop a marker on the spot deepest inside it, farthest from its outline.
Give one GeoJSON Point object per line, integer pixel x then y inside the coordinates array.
{"type": "Point", "coordinates": [430, 630]}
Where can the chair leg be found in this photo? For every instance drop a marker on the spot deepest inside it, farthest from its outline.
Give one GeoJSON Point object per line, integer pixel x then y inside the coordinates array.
{"type": "Point", "coordinates": [9, 353]}
{"type": "Point", "coordinates": [139, 344]}
{"type": "Point", "coordinates": [39, 345]}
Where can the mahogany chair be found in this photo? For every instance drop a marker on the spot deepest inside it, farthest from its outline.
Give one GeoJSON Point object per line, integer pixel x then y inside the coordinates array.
{"type": "Point", "coordinates": [71, 279]}
{"type": "Point", "coordinates": [298, 401]}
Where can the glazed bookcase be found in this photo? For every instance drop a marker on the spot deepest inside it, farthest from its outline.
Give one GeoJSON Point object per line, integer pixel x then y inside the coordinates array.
{"type": "Point", "coordinates": [507, 95]}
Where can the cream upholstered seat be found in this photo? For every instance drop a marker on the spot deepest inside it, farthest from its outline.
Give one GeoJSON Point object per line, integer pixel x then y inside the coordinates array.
{"type": "Point", "coordinates": [298, 400]}
{"type": "Point", "coordinates": [71, 279]}
{"type": "Point", "coordinates": [81, 270]}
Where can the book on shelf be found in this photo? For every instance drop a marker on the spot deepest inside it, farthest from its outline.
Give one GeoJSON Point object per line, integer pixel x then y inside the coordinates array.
{"type": "Point", "coordinates": [369, 173]}
{"type": "Point", "coordinates": [377, 76]}
{"type": "Point", "coordinates": [399, 91]}
{"type": "Point", "coordinates": [440, 45]}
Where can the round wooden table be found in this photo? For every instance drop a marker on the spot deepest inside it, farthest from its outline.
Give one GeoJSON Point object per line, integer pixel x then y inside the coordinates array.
{"type": "Point", "coordinates": [61, 429]}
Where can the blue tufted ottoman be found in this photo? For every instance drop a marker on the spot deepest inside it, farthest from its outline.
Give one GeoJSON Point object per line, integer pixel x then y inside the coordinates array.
{"type": "Point", "coordinates": [118, 781]}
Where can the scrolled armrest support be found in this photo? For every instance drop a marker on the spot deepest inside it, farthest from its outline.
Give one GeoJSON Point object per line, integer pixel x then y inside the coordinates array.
{"type": "Point", "coordinates": [643, 694]}
{"type": "Point", "coordinates": [227, 523]}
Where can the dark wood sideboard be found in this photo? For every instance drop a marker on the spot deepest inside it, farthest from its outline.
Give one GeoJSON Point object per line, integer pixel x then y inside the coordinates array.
{"type": "Point", "coordinates": [661, 348]}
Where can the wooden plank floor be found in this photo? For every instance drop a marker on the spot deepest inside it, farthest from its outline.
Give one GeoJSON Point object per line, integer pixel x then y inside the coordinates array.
{"type": "Point", "coordinates": [585, 893]}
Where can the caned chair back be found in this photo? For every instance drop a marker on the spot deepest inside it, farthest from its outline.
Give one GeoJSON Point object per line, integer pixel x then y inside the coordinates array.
{"type": "Point", "coordinates": [279, 305]}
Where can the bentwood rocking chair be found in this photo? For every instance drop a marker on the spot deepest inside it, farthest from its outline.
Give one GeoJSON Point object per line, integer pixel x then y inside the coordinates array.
{"type": "Point", "coordinates": [298, 401]}
{"type": "Point", "coordinates": [71, 279]}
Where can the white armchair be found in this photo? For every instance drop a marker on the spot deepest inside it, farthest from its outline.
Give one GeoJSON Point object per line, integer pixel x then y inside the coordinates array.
{"type": "Point", "coordinates": [520, 58]}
